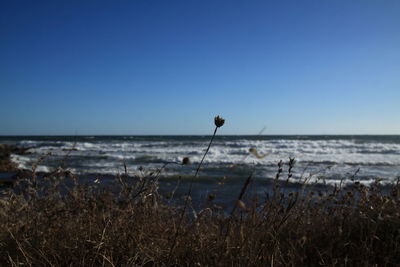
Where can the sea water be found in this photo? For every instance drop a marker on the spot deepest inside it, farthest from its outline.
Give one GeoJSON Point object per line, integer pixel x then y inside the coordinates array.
{"type": "Point", "coordinates": [321, 159]}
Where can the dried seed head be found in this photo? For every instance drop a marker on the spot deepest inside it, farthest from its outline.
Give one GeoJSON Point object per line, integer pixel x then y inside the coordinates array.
{"type": "Point", "coordinates": [185, 161]}
{"type": "Point", "coordinates": [241, 205]}
{"type": "Point", "coordinates": [219, 121]}
{"type": "Point", "coordinates": [253, 151]}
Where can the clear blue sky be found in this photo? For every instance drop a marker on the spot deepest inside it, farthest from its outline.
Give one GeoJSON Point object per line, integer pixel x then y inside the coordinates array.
{"type": "Point", "coordinates": [168, 67]}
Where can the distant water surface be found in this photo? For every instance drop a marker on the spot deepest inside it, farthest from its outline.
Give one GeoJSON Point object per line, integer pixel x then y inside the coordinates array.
{"type": "Point", "coordinates": [325, 159]}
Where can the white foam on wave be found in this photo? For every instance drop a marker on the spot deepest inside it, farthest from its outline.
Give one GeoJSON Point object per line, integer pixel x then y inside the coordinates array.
{"type": "Point", "coordinates": [42, 168]}
{"type": "Point", "coordinates": [26, 163]}
{"type": "Point", "coordinates": [21, 161]}
{"type": "Point", "coordinates": [108, 156]}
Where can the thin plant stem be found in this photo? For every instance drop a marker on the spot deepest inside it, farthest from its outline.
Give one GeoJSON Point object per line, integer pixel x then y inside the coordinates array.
{"type": "Point", "coordinates": [189, 193]}
{"type": "Point", "coordinates": [201, 162]}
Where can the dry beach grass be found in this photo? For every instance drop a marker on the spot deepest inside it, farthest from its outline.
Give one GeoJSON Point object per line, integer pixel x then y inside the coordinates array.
{"type": "Point", "coordinates": [57, 221]}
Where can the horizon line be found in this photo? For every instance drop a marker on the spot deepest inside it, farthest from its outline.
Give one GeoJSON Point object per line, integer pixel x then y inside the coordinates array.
{"type": "Point", "coordinates": [116, 135]}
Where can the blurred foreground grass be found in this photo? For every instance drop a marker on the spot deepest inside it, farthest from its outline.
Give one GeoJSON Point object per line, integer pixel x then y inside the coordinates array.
{"type": "Point", "coordinates": [55, 221]}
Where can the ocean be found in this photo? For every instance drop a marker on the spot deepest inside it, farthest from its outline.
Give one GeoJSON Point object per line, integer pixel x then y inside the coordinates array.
{"type": "Point", "coordinates": [319, 159]}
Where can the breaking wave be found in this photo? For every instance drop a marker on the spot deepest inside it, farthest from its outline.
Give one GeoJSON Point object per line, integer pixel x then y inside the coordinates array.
{"type": "Point", "coordinates": [335, 156]}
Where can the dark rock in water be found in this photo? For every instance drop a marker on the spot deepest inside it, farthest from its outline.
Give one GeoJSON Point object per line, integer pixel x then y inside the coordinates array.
{"type": "Point", "coordinates": [6, 165]}
{"type": "Point", "coordinates": [7, 149]}
{"type": "Point", "coordinates": [69, 149]}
